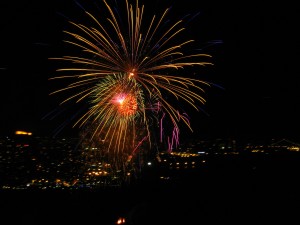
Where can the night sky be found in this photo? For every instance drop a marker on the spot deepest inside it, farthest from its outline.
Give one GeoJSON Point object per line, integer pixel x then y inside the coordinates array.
{"type": "Point", "coordinates": [255, 50]}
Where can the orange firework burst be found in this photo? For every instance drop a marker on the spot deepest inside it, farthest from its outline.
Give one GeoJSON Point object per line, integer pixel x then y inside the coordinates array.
{"type": "Point", "coordinates": [140, 53]}
{"type": "Point", "coordinates": [126, 103]}
{"type": "Point", "coordinates": [120, 66]}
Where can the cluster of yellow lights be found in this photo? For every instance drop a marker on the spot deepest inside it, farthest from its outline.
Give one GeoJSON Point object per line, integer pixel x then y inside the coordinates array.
{"type": "Point", "coordinates": [184, 154]}
{"type": "Point", "coordinates": [294, 148]}
{"type": "Point", "coordinates": [20, 132]}
{"type": "Point", "coordinates": [100, 173]}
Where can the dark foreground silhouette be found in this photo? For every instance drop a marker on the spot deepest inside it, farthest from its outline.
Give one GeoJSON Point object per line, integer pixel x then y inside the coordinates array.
{"type": "Point", "coordinates": [231, 190]}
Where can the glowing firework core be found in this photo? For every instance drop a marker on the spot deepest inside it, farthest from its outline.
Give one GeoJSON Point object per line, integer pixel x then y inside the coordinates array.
{"type": "Point", "coordinates": [126, 104]}
{"type": "Point", "coordinates": [131, 74]}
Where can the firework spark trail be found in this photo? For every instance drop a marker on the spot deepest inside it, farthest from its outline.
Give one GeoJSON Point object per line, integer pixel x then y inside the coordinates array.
{"type": "Point", "coordinates": [138, 145]}
{"type": "Point", "coordinates": [121, 69]}
{"type": "Point", "coordinates": [161, 127]}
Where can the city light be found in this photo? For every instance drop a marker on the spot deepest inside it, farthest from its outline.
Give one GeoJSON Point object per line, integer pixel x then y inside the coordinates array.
{"type": "Point", "coordinates": [20, 132]}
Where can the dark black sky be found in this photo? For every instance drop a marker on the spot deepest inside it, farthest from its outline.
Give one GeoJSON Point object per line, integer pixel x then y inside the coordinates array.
{"type": "Point", "coordinates": [256, 64]}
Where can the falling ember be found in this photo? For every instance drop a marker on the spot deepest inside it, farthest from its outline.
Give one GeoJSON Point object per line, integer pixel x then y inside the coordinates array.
{"type": "Point", "coordinates": [121, 221]}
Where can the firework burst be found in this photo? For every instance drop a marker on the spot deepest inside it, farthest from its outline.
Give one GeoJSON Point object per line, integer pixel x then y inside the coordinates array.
{"type": "Point", "coordinates": [117, 107]}
{"type": "Point", "coordinates": [122, 69]}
